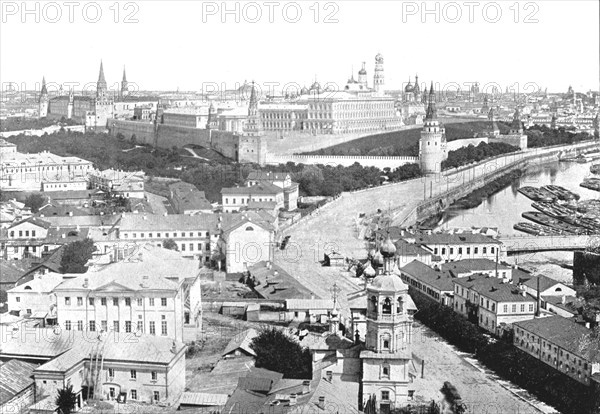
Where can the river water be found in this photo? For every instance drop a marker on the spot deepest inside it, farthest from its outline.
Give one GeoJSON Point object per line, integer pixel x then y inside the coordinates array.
{"type": "Point", "coordinates": [503, 209]}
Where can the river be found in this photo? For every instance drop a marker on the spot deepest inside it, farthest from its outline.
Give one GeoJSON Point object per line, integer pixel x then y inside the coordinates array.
{"type": "Point", "coordinates": [503, 209]}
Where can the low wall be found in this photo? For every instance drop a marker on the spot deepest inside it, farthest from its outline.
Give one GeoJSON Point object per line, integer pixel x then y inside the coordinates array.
{"type": "Point", "coordinates": [460, 143]}
{"type": "Point", "coordinates": [344, 160]}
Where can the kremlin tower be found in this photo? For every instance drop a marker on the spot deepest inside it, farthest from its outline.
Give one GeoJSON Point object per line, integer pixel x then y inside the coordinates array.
{"type": "Point", "coordinates": [432, 145]}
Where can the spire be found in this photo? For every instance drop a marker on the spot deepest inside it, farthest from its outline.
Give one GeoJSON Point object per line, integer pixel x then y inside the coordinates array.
{"type": "Point", "coordinates": [44, 89]}
{"type": "Point", "coordinates": [124, 75]}
{"type": "Point", "coordinates": [431, 113]}
{"type": "Point", "coordinates": [101, 75]}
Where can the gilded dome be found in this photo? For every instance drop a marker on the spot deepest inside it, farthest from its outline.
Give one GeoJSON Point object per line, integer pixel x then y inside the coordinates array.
{"type": "Point", "coordinates": [369, 271]}
{"type": "Point", "coordinates": [378, 259]}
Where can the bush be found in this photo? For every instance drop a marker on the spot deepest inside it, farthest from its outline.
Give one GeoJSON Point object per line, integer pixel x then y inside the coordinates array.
{"type": "Point", "coordinates": [277, 352]}
{"type": "Point", "coordinates": [76, 256]}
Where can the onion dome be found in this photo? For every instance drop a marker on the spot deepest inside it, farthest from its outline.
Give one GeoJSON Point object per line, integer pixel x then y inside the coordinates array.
{"type": "Point", "coordinates": [303, 91]}
{"type": "Point", "coordinates": [379, 58]}
{"type": "Point", "coordinates": [378, 259]}
{"type": "Point", "coordinates": [388, 249]}
{"type": "Point", "coordinates": [369, 271]}
{"type": "Point", "coordinates": [388, 283]}
{"type": "Point", "coordinates": [315, 86]}
{"type": "Point", "coordinates": [362, 71]}
{"type": "Point", "coordinates": [372, 253]}
{"type": "Point", "coordinates": [409, 88]}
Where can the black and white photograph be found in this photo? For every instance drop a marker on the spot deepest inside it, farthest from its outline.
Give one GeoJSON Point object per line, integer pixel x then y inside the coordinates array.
{"type": "Point", "coordinates": [299, 207]}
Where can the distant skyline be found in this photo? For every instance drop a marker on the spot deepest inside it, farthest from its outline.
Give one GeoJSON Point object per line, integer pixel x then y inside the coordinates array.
{"type": "Point", "coordinates": [171, 47]}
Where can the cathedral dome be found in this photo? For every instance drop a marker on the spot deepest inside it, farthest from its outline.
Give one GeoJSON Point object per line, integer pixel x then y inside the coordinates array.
{"type": "Point", "coordinates": [362, 71]}
{"type": "Point", "coordinates": [388, 283]}
{"type": "Point", "coordinates": [409, 88]}
{"type": "Point", "coordinates": [388, 249]}
{"type": "Point", "coordinates": [379, 58]}
{"type": "Point", "coordinates": [303, 91]}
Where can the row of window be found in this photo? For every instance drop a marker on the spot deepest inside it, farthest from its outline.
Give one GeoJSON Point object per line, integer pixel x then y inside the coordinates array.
{"type": "Point", "coordinates": [167, 235]}
{"type": "Point", "coordinates": [115, 301]}
{"type": "Point", "coordinates": [21, 232]}
{"type": "Point", "coordinates": [468, 250]}
{"type": "Point", "coordinates": [244, 201]}
{"type": "Point", "coordinates": [133, 394]}
{"type": "Point", "coordinates": [127, 325]}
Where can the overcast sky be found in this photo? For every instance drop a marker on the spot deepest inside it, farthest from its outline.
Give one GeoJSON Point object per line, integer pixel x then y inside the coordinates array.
{"type": "Point", "coordinates": [185, 44]}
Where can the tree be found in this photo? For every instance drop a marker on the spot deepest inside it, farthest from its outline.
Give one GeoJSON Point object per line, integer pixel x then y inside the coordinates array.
{"type": "Point", "coordinates": [170, 244]}
{"type": "Point", "coordinates": [76, 256]}
{"type": "Point", "coordinates": [35, 202]}
{"type": "Point", "coordinates": [66, 400]}
{"type": "Point", "coordinates": [276, 351]}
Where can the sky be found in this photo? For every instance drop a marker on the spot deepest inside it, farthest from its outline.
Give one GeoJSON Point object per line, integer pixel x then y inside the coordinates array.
{"type": "Point", "coordinates": [196, 45]}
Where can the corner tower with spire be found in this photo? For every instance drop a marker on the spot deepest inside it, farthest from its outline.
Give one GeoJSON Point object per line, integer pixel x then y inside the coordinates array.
{"type": "Point", "coordinates": [253, 125]}
{"type": "Point", "coordinates": [44, 101]}
{"type": "Point", "coordinates": [386, 361]}
{"type": "Point", "coordinates": [432, 145]}
{"type": "Point", "coordinates": [124, 85]}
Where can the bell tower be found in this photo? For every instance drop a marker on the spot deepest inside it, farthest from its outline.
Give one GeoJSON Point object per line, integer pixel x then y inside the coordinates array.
{"type": "Point", "coordinates": [378, 78]}
{"type": "Point", "coordinates": [387, 358]}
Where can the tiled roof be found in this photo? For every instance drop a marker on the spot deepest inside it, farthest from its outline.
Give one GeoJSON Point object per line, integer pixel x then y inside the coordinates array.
{"type": "Point", "coordinates": [463, 238]}
{"type": "Point", "coordinates": [545, 282]}
{"type": "Point", "coordinates": [64, 235]}
{"type": "Point", "coordinates": [267, 176]}
{"type": "Point", "coordinates": [409, 249]}
{"type": "Point", "coordinates": [203, 399]}
{"type": "Point", "coordinates": [43, 284]}
{"type": "Point", "coordinates": [83, 221]}
{"type": "Point", "coordinates": [33, 220]}
{"type": "Point", "coordinates": [280, 286]}
{"type": "Point", "coordinates": [180, 222]}
{"type": "Point", "coordinates": [241, 341]}
{"type": "Point", "coordinates": [493, 288]}
{"type": "Point", "coordinates": [9, 273]}
{"type": "Point", "coordinates": [15, 377]}
{"type": "Point", "coordinates": [565, 333]}
{"type": "Point", "coordinates": [255, 190]}
{"type": "Point", "coordinates": [473, 265]}
{"type": "Point", "coordinates": [189, 197]}
{"type": "Point", "coordinates": [438, 279]}
{"type": "Point", "coordinates": [232, 221]}
{"type": "Point", "coordinates": [72, 195]}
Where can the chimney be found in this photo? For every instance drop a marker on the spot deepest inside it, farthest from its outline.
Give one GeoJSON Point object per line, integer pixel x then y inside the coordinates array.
{"type": "Point", "coordinates": [539, 299]}
{"type": "Point", "coordinates": [305, 387]}
{"type": "Point", "coordinates": [144, 283]}
{"type": "Point", "coordinates": [174, 348]}
{"type": "Point", "coordinates": [293, 399]}
{"type": "Point", "coordinates": [321, 402]}
{"type": "Point", "coordinates": [563, 299]}
{"type": "Point", "coordinates": [329, 376]}
{"type": "Point", "coordinates": [85, 283]}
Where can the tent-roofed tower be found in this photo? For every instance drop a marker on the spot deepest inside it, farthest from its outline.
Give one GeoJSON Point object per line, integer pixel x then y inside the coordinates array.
{"type": "Point", "coordinates": [432, 145]}
{"type": "Point", "coordinates": [386, 361]}
{"type": "Point", "coordinates": [253, 125]}
{"type": "Point", "coordinates": [101, 86]}
{"type": "Point", "coordinates": [124, 84]}
{"type": "Point", "coordinates": [44, 100]}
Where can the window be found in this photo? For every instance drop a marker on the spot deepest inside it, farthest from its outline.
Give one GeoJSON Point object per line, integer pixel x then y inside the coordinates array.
{"type": "Point", "coordinates": [133, 394]}
{"type": "Point", "coordinates": [522, 307]}
{"type": "Point", "coordinates": [152, 328]}
{"type": "Point", "coordinates": [163, 328]}
{"type": "Point", "coordinates": [154, 376]}
{"type": "Point", "coordinates": [199, 246]}
{"type": "Point", "coordinates": [67, 300]}
{"type": "Point", "coordinates": [127, 301]}
{"type": "Point", "coordinates": [492, 249]}
{"type": "Point", "coordinates": [80, 325]}
{"type": "Point", "coordinates": [103, 301]}
{"type": "Point", "coordinates": [79, 301]}
{"type": "Point", "coordinates": [68, 325]}
{"type": "Point", "coordinates": [140, 301]}
{"type": "Point", "coordinates": [115, 301]}
{"type": "Point", "coordinates": [156, 396]}
{"type": "Point", "coordinates": [174, 234]}
{"type": "Point", "coordinates": [191, 247]}
{"type": "Point", "coordinates": [183, 234]}
{"type": "Point", "coordinates": [443, 250]}
{"type": "Point", "coordinates": [151, 301]}
{"type": "Point", "coordinates": [531, 307]}
{"type": "Point", "coordinates": [435, 251]}
{"type": "Point", "coordinates": [111, 373]}
{"type": "Point", "coordinates": [18, 299]}
{"type": "Point", "coordinates": [150, 235]}
{"type": "Point", "coordinates": [116, 326]}
{"type": "Point", "coordinates": [127, 326]}
{"type": "Point", "coordinates": [484, 249]}
{"type": "Point", "coordinates": [514, 308]}
{"type": "Point", "coordinates": [142, 235]}
{"type": "Point", "coordinates": [92, 326]}
{"type": "Point", "coordinates": [386, 372]}
{"type": "Point", "coordinates": [476, 250]}
{"type": "Point", "coordinates": [460, 250]}
{"type": "Point", "coordinates": [140, 326]}
{"type": "Point", "coordinates": [385, 395]}
{"type": "Point", "coordinates": [158, 235]}
{"type": "Point", "coordinates": [133, 374]}
{"type": "Point", "coordinates": [452, 250]}
{"type": "Point", "coordinates": [163, 301]}
{"type": "Point", "coordinates": [91, 301]}
{"type": "Point", "coordinates": [183, 247]}
{"type": "Point", "coordinates": [104, 325]}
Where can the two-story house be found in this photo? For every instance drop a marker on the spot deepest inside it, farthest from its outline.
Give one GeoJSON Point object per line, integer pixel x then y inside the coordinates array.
{"type": "Point", "coordinates": [435, 283]}
{"type": "Point", "coordinates": [24, 239]}
{"type": "Point", "coordinates": [493, 303]}
{"type": "Point", "coordinates": [281, 180]}
{"type": "Point", "coordinates": [151, 290]}
{"type": "Point", "coordinates": [561, 343]}
{"type": "Point", "coordinates": [187, 199]}
{"type": "Point", "coordinates": [452, 247]}
{"type": "Point", "coordinates": [196, 236]}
